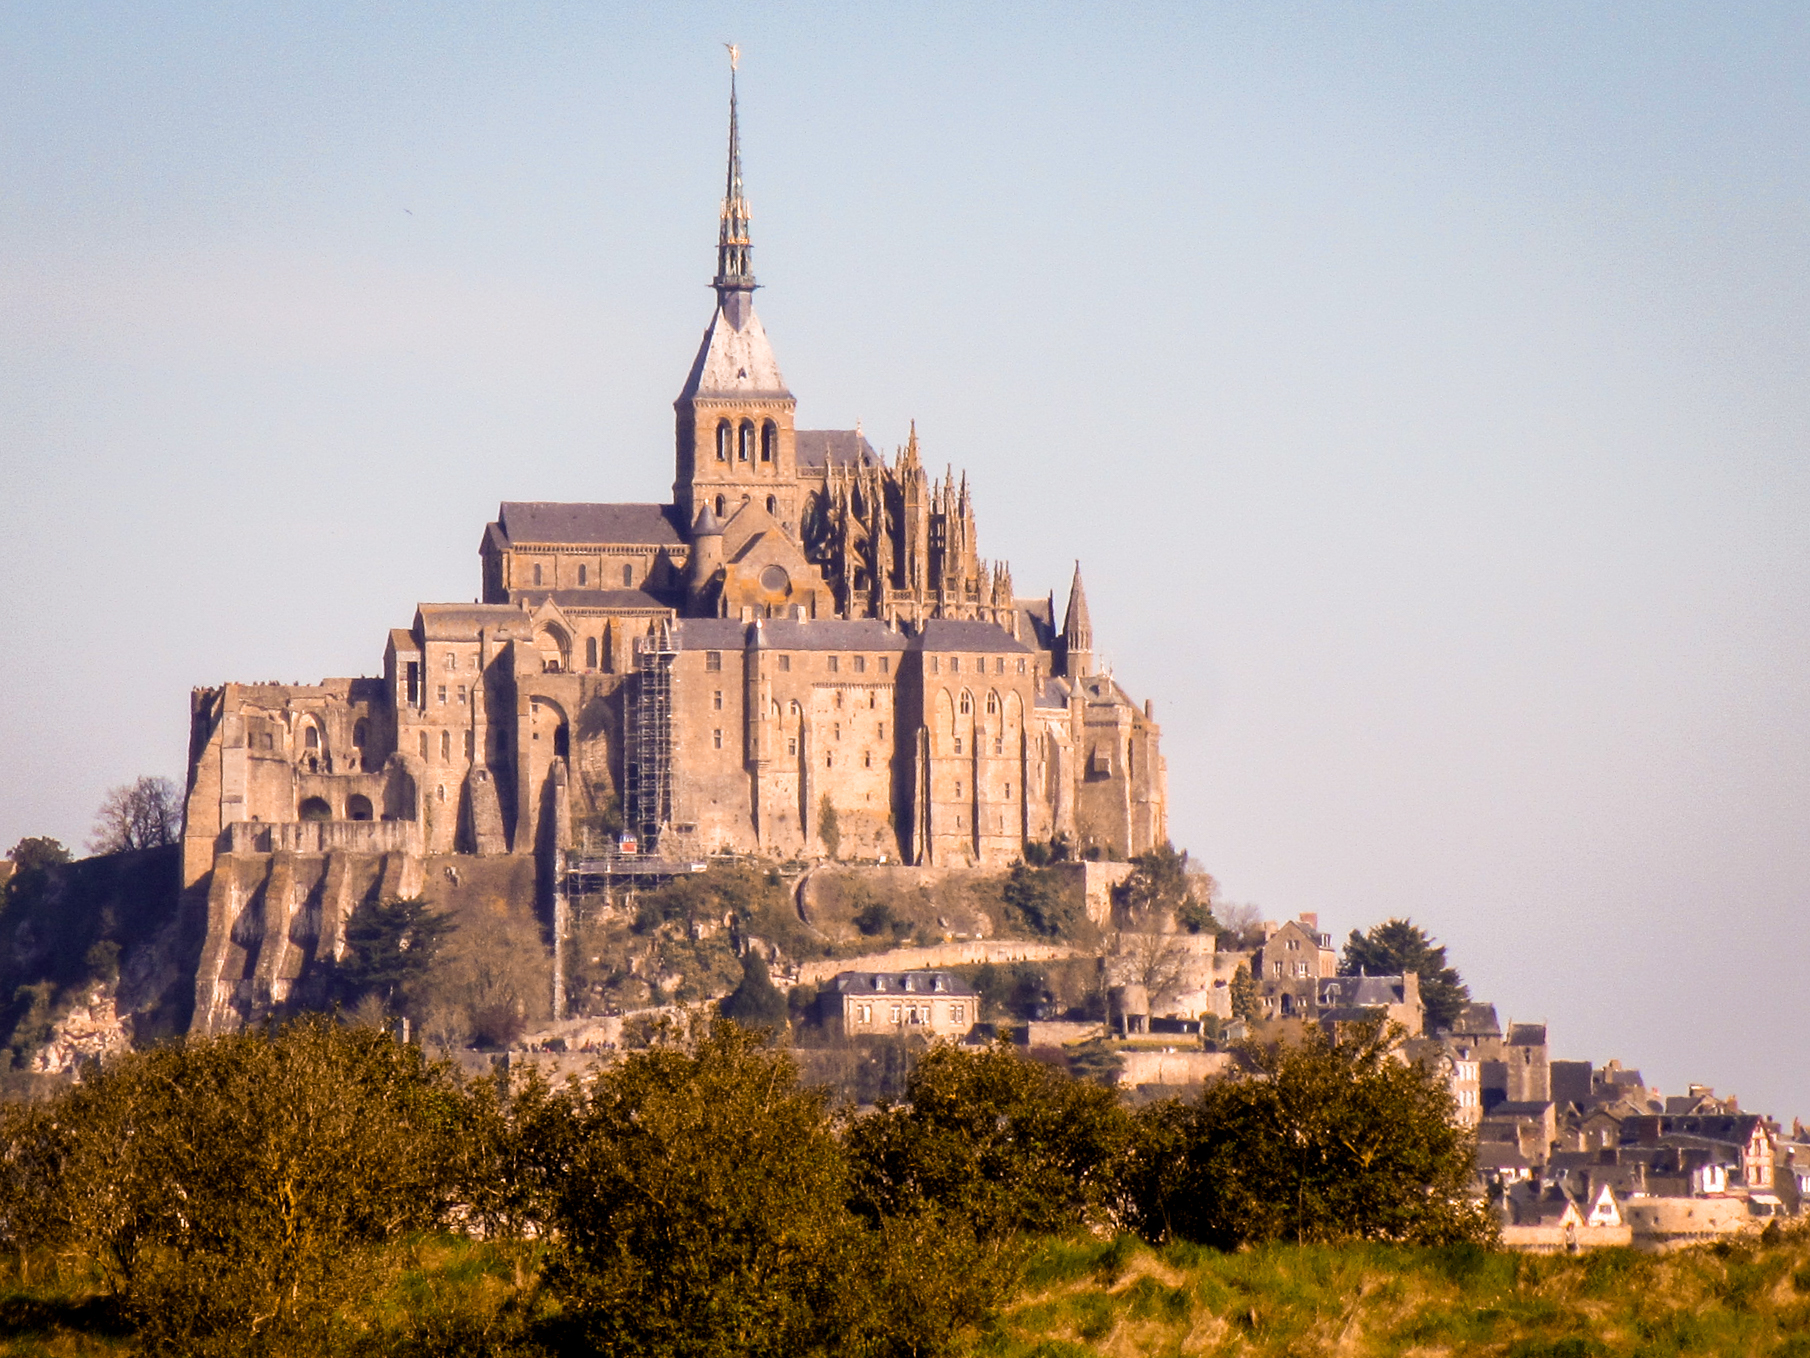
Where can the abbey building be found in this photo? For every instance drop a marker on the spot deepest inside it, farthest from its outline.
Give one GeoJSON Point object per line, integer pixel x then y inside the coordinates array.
{"type": "Point", "coordinates": [803, 653]}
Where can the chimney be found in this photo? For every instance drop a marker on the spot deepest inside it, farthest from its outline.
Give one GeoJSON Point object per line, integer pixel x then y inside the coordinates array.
{"type": "Point", "coordinates": [1311, 920]}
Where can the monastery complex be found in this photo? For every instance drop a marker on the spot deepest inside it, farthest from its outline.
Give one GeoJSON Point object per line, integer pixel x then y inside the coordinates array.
{"type": "Point", "coordinates": [807, 632]}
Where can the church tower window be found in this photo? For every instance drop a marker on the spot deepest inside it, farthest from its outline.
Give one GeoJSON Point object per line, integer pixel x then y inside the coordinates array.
{"type": "Point", "coordinates": [746, 452]}
{"type": "Point", "coordinates": [537, 575]}
{"type": "Point", "coordinates": [725, 435]}
{"type": "Point", "coordinates": [590, 653]}
{"type": "Point", "coordinates": [769, 442]}
{"type": "Point", "coordinates": [772, 503]}
{"type": "Point", "coordinates": [582, 572]}
{"type": "Point", "coordinates": [721, 505]}
{"type": "Point", "coordinates": [628, 576]}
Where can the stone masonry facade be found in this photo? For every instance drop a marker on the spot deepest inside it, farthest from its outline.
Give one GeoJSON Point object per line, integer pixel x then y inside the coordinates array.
{"type": "Point", "coordinates": [806, 630]}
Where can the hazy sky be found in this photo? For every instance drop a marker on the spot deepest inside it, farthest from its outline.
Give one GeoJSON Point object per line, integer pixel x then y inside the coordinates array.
{"type": "Point", "coordinates": [1423, 387]}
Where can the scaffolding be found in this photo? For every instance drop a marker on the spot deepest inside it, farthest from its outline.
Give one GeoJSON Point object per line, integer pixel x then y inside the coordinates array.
{"type": "Point", "coordinates": [650, 807]}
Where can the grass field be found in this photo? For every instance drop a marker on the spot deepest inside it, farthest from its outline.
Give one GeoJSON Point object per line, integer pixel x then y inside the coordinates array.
{"type": "Point", "coordinates": [1121, 1298]}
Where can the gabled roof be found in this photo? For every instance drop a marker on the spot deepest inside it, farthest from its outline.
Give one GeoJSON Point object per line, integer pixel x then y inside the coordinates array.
{"type": "Point", "coordinates": [632, 525]}
{"type": "Point", "coordinates": [946, 634]}
{"type": "Point", "coordinates": [819, 448]}
{"type": "Point", "coordinates": [635, 599]}
{"type": "Point", "coordinates": [1360, 992]}
{"type": "Point", "coordinates": [1477, 1020]}
{"type": "Point", "coordinates": [461, 622]}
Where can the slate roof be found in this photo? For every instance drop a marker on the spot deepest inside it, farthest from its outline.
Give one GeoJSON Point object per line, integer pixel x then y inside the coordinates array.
{"type": "Point", "coordinates": [788, 634]}
{"type": "Point", "coordinates": [817, 448]}
{"type": "Point", "coordinates": [1477, 1020]}
{"type": "Point", "coordinates": [733, 362]}
{"type": "Point", "coordinates": [460, 622]}
{"type": "Point", "coordinates": [899, 983]}
{"type": "Point", "coordinates": [1527, 1034]}
{"type": "Point", "coordinates": [1359, 992]}
{"type": "Point", "coordinates": [537, 521]}
{"type": "Point", "coordinates": [600, 598]}
{"type": "Point", "coordinates": [942, 634]}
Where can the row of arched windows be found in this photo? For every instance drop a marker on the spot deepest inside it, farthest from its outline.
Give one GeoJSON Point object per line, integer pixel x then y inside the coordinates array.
{"type": "Point", "coordinates": [722, 505]}
{"type": "Point", "coordinates": [739, 443]}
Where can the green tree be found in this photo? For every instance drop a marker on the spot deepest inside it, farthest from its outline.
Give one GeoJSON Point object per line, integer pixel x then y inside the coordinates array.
{"type": "Point", "coordinates": [700, 1209]}
{"type": "Point", "coordinates": [1004, 1143]}
{"type": "Point", "coordinates": [1244, 996]}
{"type": "Point", "coordinates": [391, 946]}
{"type": "Point", "coordinates": [1047, 902]}
{"type": "Point", "coordinates": [37, 852]}
{"type": "Point", "coordinates": [1398, 946]}
{"type": "Point", "coordinates": [1321, 1141]}
{"type": "Point", "coordinates": [756, 1002]}
{"type": "Point", "coordinates": [234, 1191]}
{"type": "Point", "coordinates": [829, 827]}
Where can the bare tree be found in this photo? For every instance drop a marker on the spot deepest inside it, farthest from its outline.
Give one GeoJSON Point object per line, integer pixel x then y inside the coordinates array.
{"type": "Point", "coordinates": [142, 815]}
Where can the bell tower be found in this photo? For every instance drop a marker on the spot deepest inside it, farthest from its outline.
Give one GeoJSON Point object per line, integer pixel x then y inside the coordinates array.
{"type": "Point", "coordinates": [735, 437]}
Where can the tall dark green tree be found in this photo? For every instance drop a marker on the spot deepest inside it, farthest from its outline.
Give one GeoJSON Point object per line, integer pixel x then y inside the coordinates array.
{"type": "Point", "coordinates": [1398, 945]}
{"type": "Point", "coordinates": [1321, 1141]}
{"type": "Point", "coordinates": [390, 948]}
{"type": "Point", "coordinates": [756, 1002]}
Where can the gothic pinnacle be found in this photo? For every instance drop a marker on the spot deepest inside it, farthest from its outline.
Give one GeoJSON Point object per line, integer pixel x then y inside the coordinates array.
{"type": "Point", "coordinates": [734, 281]}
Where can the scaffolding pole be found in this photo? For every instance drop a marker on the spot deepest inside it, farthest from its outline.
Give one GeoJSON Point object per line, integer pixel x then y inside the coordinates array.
{"type": "Point", "coordinates": [651, 794]}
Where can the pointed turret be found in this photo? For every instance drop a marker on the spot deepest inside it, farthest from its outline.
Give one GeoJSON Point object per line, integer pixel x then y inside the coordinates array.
{"type": "Point", "coordinates": [734, 281]}
{"type": "Point", "coordinates": [1077, 632]}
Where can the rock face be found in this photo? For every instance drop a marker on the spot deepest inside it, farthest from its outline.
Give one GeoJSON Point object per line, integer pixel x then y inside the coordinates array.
{"type": "Point", "coordinates": [90, 1030]}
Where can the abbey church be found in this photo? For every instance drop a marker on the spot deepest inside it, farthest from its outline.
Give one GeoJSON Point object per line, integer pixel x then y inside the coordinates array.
{"type": "Point", "coordinates": [804, 653]}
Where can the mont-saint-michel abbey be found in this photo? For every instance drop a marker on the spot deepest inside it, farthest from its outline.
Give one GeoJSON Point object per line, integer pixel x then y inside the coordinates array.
{"type": "Point", "coordinates": [808, 629]}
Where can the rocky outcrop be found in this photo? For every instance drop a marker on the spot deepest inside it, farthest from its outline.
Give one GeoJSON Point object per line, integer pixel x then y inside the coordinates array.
{"type": "Point", "coordinates": [91, 1029]}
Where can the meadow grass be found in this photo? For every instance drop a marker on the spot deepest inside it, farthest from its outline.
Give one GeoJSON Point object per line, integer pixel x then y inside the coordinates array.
{"type": "Point", "coordinates": [1116, 1298]}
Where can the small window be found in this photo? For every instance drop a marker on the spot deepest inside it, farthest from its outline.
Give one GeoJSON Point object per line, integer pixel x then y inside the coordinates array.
{"type": "Point", "coordinates": [967, 705]}
{"type": "Point", "coordinates": [628, 575]}
{"type": "Point", "coordinates": [461, 695]}
{"type": "Point", "coordinates": [722, 506]}
{"type": "Point", "coordinates": [713, 661]}
{"type": "Point", "coordinates": [867, 759]}
{"type": "Point", "coordinates": [860, 664]}
{"type": "Point", "coordinates": [443, 694]}
{"type": "Point", "coordinates": [583, 574]}
{"type": "Point", "coordinates": [785, 664]}
{"type": "Point", "coordinates": [992, 704]}
{"type": "Point", "coordinates": [590, 653]}
{"type": "Point", "coordinates": [885, 665]}
{"type": "Point", "coordinates": [313, 737]}
{"type": "Point", "coordinates": [450, 661]}
{"type": "Point", "coordinates": [829, 761]}
{"type": "Point", "coordinates": [442, 791]}
{"type": "Point", "coordinates": [716, 701]}
{"type": "Point", "coordinates": [716, 738]}
{"type": "Point", "coordinates": [1021, 664]}
{"type": "Point", "coordinates": [958, 792]}
{"type": "Point", "coordinates": [999, 746]}
{"type": "Point", "coordinates": [772, 504]}
{"type": "Point", "coordinates": [537, 575]}
{"type": "Point", "coordinates": [837, 728]}
{"type": "Point", "coordinates": [999, 665]}
{"type": "Point", "coordinates": [936, 664]}
{"type": "Point", "coordinates": [795, 708]}
{"type": "Point", "coordinates": [792, 745]}
{"type": "Point", "coordinates": [445, 746]}
{"type": "Point", "coordinates": [1008, 792]}
{"type": "Point", "coordinates": [958, 744]}
{"type": "Point", "coordinates": [882, 730]}
{"type": "Point", "coordinates": [745, 451]}
{"type": "Point", "coordinates": [835, 664]}
{"type": "Point", "coordinates": [955, 664]}
{"type": "Point", "coordinates": [725, 436]}
{"type": "Point", "coordinates": [769, 444]}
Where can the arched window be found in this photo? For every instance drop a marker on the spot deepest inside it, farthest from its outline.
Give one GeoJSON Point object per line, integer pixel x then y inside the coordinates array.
{"type": "Point", "coordinates": [721, 505]}
{"type": "Point", "coordinates": [583, 571]}
{"type": "Point", "coordinates": [590, 653]}
{"type": "Point", "coordinates": [992, 704]}
{"type": "Point", "coordinates": [967, 706]}
{"type": "Point", "coordinates": [725, 435]}
{"type": "Point", "coordinates": [769, 442]}
{"type": "Point", "coordinates": [311, 738]}
{"type": "Point", "coordinates": [746, 452]}
{"type": "Point", "coordinates": [772, 505]}
{"type": "Point", "coordinates": [361, 733]}
{"type": "Point", "coordinates": [628, 574]}
{"type": "Point", "coordinates": [445, 745]}
{"type": "Point", "coordinates": [537, 576]}
{"type": "Point", "coordinates": [316, 808]}
{"type": "Point", "coordinates": [358, 807]}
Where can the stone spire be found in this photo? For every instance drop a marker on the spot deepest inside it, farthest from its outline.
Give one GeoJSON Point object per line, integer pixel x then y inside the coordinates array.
{"type": "Point", "coordinates": [734, 281]}
{"type": "Point", "coordinates": [1077, 631]}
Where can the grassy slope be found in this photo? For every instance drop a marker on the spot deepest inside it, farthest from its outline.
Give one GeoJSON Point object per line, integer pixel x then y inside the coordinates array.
{"type": "Point", "coordinates": [1121, 1299]}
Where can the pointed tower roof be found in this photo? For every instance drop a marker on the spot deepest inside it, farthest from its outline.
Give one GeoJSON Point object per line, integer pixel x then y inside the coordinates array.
{"type": "Point", "coordinates": [708, 525]}
{"type": "Point", "coordinates": [1077, 627]}
{"type": "Point", "coordinates": [735, 358]}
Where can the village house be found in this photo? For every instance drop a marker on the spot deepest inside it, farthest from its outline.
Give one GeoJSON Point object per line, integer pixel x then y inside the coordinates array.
{"type": "Point", "coordinates": [932, 1004]}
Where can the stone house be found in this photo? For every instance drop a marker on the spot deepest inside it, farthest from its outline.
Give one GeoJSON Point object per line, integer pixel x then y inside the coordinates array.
{"type": "Point", "coordinates": [932, 1004]}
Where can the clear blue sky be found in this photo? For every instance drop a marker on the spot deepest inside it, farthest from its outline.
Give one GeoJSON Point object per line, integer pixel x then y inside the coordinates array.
{"type": "Point", "coordinates": [1422, 385]}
